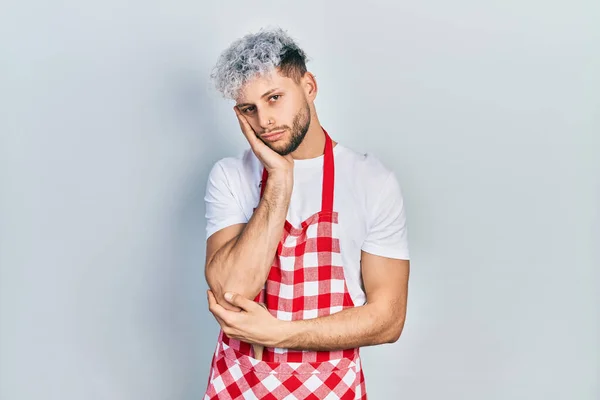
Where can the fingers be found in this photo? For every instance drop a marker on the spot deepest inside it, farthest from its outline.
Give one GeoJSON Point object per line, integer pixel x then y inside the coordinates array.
{"type": "Point", "coordinates": [223, 317]}
{"type": "Point", "coordinates": [239, 301]}
{"type": "Point", "coordinates": [221, 314]}
{"type": "Point", "coordinates": [267, 156]}
{"type": "Point", "coordinates": [225, 304]}
{"type": "Point", "coordinates": [247, 129]}
{"type": "Point", "coordinates": [258, 147]}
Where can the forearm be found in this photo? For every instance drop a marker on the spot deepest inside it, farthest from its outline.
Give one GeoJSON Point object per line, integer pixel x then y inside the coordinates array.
{"type": "Point", "coordinates": [366, 325]}
{"type": "Point", "coordinates": [242, 265]}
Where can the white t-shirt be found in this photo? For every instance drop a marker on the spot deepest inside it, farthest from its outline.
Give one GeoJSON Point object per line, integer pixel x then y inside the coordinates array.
{"type": "Point", "coordinates": [367, 197]}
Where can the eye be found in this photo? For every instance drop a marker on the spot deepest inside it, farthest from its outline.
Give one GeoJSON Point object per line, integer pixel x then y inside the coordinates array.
{"type": "Point", "coordinates": [275, 97]}
{"type": "Point", "coordinates": [248, 110]}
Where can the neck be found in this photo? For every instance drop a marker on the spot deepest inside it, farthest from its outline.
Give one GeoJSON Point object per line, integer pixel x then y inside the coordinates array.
{"type": "Point", "coordinates": [313, 144]}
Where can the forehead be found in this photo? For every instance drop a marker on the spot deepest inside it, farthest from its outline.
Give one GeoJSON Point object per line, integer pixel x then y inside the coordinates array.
{"type": "Point", "coordinates": [253, 90]}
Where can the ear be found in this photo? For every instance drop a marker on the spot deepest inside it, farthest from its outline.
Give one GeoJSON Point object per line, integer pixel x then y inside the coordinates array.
{"type": "Point", "coordinates": [309, 84]}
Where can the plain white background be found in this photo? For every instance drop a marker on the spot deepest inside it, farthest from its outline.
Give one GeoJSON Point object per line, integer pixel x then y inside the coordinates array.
{"type": "Point", "coordinates": [488, 112]}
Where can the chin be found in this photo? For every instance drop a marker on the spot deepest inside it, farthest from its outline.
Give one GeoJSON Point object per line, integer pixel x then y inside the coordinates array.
{"type": "Point", "coordinates": [287, 144]}
{"type": "Point", "coordinates": [282, 149]}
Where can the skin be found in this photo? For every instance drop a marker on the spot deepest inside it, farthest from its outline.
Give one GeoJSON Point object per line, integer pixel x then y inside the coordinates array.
{"type": "Point", "coordinates": [239, 257]}
{"type": "Point", "coordinates": [280, 99]}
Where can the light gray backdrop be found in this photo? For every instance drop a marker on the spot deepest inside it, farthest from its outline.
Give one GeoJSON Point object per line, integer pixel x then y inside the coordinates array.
{"type": "Point", "coordinates": [488, 112]}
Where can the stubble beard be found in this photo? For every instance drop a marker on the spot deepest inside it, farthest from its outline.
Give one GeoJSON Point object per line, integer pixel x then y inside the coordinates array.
{"type": "Point", "coordinates": [300, 126]}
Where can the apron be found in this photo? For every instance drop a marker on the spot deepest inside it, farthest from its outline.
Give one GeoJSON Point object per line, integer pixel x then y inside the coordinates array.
{"type": "Point", "coordinates": [305, 281]}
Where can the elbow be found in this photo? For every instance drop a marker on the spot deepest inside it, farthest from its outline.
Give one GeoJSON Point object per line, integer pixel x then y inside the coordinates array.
{"type": "Point", "coordinates": [217, 278]}
{"type": "Point", "coordinates": [212, 278]}
{"type": "Point", "coordinates": [217, 282]}
{"type": "Point", "coordinates": [221, 281]}
{"type": "Point", "coordinates": [394, 331]}
{"type": "Point", "coordinates": [391, 323]}
{"type": "Point", "coordinates": [393, 336]}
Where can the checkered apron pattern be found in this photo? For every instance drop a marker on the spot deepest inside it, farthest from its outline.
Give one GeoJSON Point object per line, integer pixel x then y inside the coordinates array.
{"type": "Point", "coordinates": [306, 281]}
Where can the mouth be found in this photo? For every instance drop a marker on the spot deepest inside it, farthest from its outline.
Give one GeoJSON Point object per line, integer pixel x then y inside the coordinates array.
{"type": "Point", "coordinates": [273, 136]}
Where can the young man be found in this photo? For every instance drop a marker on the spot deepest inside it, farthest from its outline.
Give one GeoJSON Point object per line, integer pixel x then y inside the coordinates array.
{"type": "Point", "coordinates": [307, 256]}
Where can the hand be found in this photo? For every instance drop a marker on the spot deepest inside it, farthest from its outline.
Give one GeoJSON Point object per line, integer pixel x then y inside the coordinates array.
{"type": "Point", "coordinates": [273, 161]}
{"type": "Point", "coordinates": [254, 324]}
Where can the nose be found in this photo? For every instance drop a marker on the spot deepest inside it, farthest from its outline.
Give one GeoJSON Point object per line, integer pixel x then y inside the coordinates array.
{"type": "Point", "coordinates": [266, 121]}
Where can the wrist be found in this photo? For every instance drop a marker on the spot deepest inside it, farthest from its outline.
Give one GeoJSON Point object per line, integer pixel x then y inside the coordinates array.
{"type": "Point", "coordinates": [284, 333]}
{"type": "Point", "coordinates": [281, 183]}
{"type": "Point", "coordinates": [282, 176]}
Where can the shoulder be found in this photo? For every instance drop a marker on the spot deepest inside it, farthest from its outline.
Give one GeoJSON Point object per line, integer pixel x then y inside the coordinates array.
{"type": "Point", "coordinates": [365, 168]}
{"type": "Point", "coordinates": [234, 164]}
{"type": "Point", "coordinates": [232, 190]}
{"type": "Point", "coordinates": [233, 170]}
{"type": "Point", "coordinates": [371, 183]}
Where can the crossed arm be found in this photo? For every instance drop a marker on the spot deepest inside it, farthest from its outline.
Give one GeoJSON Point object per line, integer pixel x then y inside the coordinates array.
{"type": "Point", "coordinates": [238, 260]}
{"type": "Point", "coordinates": [379, 321]}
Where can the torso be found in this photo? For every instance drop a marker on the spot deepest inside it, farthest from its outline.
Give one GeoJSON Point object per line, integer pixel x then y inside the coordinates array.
{"type": "Point", "coordinates": [357, 179]}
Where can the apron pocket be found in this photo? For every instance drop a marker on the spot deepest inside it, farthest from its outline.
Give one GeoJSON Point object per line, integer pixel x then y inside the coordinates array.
{"type": "Point", "coordinates": [238, 376]}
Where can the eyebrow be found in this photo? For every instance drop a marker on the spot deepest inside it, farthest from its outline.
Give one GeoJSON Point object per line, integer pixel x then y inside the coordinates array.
{"type": "Point", "coordinates": [264, 95]}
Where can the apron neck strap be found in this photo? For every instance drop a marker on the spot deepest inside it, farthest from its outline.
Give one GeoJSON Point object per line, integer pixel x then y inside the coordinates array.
{"type": "Point", "coordinates": [328, 176]}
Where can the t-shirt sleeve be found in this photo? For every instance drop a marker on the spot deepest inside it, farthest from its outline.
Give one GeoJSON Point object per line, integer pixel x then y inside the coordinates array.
{"type": "Point", "coordinates": [222, 207]}
{"type": "Point", "coordinates": [387, 234]}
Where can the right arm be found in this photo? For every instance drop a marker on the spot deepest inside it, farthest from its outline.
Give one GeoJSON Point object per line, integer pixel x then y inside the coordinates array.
{"type": "Point", "coordinates": [239, 257]}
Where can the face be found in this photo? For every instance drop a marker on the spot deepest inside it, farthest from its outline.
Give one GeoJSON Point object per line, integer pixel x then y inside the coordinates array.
{"type": "Point", "coordinates": [277, 109]}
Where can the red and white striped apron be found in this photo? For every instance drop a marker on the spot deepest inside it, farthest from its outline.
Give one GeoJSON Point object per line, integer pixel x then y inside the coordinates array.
{"type": "Point", "coordinates": [306, 281]}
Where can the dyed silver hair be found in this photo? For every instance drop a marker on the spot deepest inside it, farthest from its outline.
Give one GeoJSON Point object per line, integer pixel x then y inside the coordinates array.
{"type": "Point", "coordinates": [254, 54]}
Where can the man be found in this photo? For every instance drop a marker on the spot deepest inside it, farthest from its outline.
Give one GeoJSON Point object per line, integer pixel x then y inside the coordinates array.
{"type": "Point", "coordinates": [307, 257]}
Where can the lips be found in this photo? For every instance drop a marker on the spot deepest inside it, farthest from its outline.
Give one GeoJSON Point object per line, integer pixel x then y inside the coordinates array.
{"type": "Point", "coordinates": [273, 135]}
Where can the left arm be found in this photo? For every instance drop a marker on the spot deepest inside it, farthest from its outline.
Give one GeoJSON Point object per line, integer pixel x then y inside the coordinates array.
{"type": "Point", "coordinates": [379, 321]}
